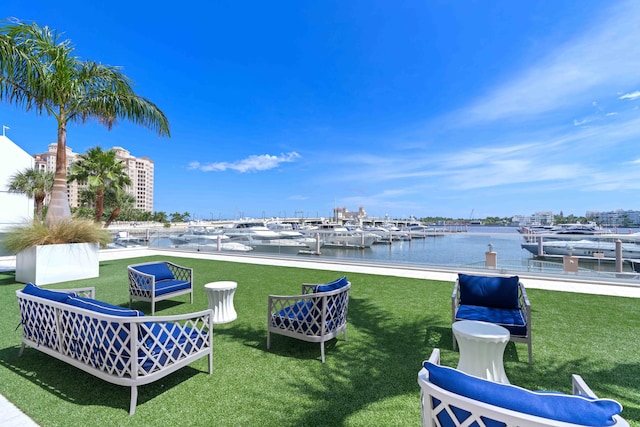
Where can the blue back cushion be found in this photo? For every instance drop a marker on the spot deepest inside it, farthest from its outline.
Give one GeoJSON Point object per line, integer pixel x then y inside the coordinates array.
{"type": "Point", "coordinates": [57, 296]}
{"type": "Point", "coordinates": [332, 286]}
{"type": "Point", "coordinates": [498, 292]}
{"type": "Point", "coordinates": [160, 270]}
{"type": "Point", "coordinates": [555, 406]}
{"type": "Point", "coordinates": [102, 307]}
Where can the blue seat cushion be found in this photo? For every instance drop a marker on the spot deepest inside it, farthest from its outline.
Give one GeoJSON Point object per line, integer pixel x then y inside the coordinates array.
{"type": "Point", "coordinates": [160, 339]}
{"type": "Point", "coordinates": [102, 307]}
{"type": "Point", "coordinates": [160, 270]}
{"type": "Point", "coordinates": [57, 296]}
{"type": "Point", "coordinates": [300, 316]}
{"type": "Point", "coordinates": [574, 409]}
{"type": "Point", "coordinates": [499, 292]}
{"type": "Point", "coordinates": [511, 319]}
{"type": "Point", "coordinates": [172, 285]}
{"type": "Point", "coordinates": [332, 286]}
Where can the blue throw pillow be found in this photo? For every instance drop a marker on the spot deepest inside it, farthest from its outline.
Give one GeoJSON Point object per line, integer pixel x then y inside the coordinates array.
{"type": "Point", "coordinates": [102, 307]}
{"type": "Point", "coordinates": [498, 292]}
{"type": "Point", "coordinates": [560, 407]}
{"type": "Point", "coordinates": [332, 286]}
{"type": "Point", "coordinates": [57, 296]}
{"type": "Point", "coordinates": [159, 270]}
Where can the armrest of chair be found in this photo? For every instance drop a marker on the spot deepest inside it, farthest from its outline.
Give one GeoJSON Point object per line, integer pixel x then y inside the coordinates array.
{"type": "Point", "coordinates": [138, 278]}
{"type": "Point", "coordinates": [281, 302]}
{"type": "Point", "coordinates": [524, 299]}
{"type": "Point", "coordinates": [525, 305]}
{"type": "Point", "coordinates": [581, 387]}
{"type": "Point", "coordinates": [180, 272]}
{"type": "Point", "coordinates": [435, 356]}
{"type": "Point", "coordinates": [88, 292]}
{"type": "Point", "coordinates": [455, 300]}
{"type": "Point", "coordinates": [308, 288]}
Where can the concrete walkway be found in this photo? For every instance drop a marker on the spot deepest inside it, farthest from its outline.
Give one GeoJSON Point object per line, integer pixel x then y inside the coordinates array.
{"type": "Point", "coordinates": [10, 416]}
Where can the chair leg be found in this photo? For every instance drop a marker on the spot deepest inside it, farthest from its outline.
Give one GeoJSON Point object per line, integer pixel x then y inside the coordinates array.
{"type": "Point", "coordinates": [322, 350]}
{"type": "Point", "coordinates": [530, 352]}
{"type": "Point", "coordinates": [134, 400]}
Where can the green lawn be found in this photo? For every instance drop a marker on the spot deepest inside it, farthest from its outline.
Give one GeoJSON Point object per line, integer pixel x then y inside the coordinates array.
{"type": "Point", "coordinates": [369, 380]}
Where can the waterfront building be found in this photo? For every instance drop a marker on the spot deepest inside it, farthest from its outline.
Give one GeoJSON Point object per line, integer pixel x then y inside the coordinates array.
{"type": "Point", "coordinates": [341, 215]}
{"type": "Point", "coordinates": [139, 169]}
{"type": "Point", "coordinates": [619, 217]}
{"type": "Point", "coordinates": [538, 218]}
{"type": "Point", "coordinates": [15, 209]}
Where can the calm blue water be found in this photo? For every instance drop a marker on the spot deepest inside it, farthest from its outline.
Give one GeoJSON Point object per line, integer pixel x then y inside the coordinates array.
{"type": "Point", "coordinates": [453, 249]}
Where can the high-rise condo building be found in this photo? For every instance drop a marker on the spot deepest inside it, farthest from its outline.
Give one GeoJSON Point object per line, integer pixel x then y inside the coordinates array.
{"type": "Point", "coordinates": [139, 169]}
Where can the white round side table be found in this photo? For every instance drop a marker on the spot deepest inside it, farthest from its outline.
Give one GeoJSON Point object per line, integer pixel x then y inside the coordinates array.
{"type": "Point", "coordinates": [482, 347]}
{"type": "Point", "coordinates": [220, 297]}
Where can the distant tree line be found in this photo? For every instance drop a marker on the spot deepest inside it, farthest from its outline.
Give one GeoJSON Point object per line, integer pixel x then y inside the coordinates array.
{"type": "Point", "coordinates": [495, 220]}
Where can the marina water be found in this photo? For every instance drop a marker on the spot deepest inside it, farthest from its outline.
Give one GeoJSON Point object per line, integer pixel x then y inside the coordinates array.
{"type": "Point", "coordinates": [450, 249]}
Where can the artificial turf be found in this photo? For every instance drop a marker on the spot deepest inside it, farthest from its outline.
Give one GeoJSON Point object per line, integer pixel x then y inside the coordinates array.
{"type": "Point", "coordinates": [368, 380]}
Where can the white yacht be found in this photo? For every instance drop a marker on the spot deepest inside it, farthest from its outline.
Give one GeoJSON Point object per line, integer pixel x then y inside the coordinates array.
{"type": "Point", "coordinates": [334, 235]}
{"type": "Point", "coordinates": [208, 242]}
{"type": "Point", "coordinates": [255, 233]}
{"type": "Point", "coordinates": [584, 248]}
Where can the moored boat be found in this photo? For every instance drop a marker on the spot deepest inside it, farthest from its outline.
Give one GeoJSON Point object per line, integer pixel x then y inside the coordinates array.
{"type": "Point", "coordinates": [584, 248]}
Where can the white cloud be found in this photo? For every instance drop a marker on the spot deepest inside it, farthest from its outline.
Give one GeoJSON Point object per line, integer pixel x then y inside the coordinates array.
{"type": "Point", "coordinates": [632, 95]}
{"type": "Point", "coordinates": [605, 56]}
{"type": "Point", "coordinates": [250, 164]}
{"type": "Point", "coordinates": [298, 197]}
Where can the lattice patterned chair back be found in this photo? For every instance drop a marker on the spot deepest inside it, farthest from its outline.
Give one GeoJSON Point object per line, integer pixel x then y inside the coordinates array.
{"type": "Point", "coordinates": [318, 315]}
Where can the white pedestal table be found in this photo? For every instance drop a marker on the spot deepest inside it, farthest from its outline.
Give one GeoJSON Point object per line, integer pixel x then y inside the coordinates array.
{"type": "Point", "coordinates": [482, 347]}
{"type": "Point", "coordinates": [220, 297]}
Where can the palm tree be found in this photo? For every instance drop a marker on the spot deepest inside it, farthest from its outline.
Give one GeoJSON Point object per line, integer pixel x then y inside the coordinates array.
{"type": "Point", "coordinates": [35, 183]}
{"type": "Point", "coordinates": [100, 169]}
{"type": "Point", "coordinates": [38, 71]}
{"type": "Point", "coordinates": [117, 199]}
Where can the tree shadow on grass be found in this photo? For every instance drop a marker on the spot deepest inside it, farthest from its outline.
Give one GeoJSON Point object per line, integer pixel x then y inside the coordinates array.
{"type": "Point", "coordinates": [379, 360]}
{"type": "Point", "coordinates": [71, 384]}
{"type": "Point", "coordinates": [382, 356]}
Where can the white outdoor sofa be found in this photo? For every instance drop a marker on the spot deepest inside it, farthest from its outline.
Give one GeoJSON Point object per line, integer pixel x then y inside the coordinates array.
{"type": "Point", "coordinates": [318, 315]}
{"type": "Point", "coordinates": [101, 338]}
{"type": "Point", "coordinates": [451, 398]}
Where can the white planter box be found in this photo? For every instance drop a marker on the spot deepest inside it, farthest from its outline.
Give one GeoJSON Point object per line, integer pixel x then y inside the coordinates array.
{"type": "Point", "coordinates": [42, 265]}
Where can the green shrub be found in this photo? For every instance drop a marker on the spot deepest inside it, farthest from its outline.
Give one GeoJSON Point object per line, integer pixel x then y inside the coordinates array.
{"type": "Point", "coordinates": [72, 231]}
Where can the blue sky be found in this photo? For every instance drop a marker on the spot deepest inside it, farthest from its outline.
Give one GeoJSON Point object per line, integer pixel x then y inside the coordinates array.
{"type": "Point", "coordinates": [425, 108]}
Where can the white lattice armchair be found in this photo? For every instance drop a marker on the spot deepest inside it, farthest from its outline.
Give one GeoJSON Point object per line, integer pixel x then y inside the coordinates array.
{"type": "Point", "coordinates": [156, 281]}
{"type": "Point", "coordinates": [451, 398]}
{"type": "Point", "coordinates": [318, 315]}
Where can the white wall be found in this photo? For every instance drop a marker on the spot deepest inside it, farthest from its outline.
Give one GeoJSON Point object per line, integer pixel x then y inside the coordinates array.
{"type": "Point", "coordinates": [15, 209]}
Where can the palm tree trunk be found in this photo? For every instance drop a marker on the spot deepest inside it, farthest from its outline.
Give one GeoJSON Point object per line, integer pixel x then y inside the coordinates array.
{"type": "Point", "coordinates": [99, 204]}
{"type": "Point", "coordinates": [39, 200]}
{"type": "Point", "coordinates": [114, 214]}
{"type": "Point", "coordinates": [59, 209]}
